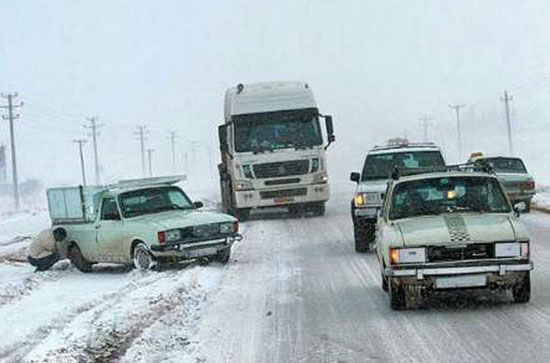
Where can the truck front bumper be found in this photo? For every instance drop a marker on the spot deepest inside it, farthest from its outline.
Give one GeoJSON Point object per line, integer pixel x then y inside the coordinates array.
{"type": "Point", "coordinates": [282, 196]}
{"type": "Point", "coordinates": [496, 275]}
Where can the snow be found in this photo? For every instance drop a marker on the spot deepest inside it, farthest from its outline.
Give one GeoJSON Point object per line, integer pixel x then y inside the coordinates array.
{"type": "Point", "coordinates": [542, 199]}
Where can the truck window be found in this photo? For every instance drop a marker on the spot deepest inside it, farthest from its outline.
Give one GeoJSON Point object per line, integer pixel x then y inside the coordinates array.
{"type": "Point", "coordinates": [109, 210]}
{"type": "Point", "coordinates": [380, 166]}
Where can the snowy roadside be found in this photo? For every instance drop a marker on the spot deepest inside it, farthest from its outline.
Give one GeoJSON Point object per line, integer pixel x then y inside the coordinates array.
{"type": "Point", "coordinates": [541, 201]}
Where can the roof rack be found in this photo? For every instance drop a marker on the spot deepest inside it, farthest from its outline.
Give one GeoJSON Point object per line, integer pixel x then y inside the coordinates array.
{"type": "Point", "coordinates": [399, 146]}
{"type": "Point", "coordinates": [398, 172]}
{"type": "Point", "coordinates": [161, 180]}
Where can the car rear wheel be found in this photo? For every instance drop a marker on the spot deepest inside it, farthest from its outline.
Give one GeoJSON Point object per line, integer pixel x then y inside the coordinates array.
{"type": "Point", "coordinates": [78, 260]}
{"type": "Point", "coordinates": [522, 291]}
{"type": "Point", "coordinates": [142, 257]}
{"type": "Point", "coordinates": [398, 299]}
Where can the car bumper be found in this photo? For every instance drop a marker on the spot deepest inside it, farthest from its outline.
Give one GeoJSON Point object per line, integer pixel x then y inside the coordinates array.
{"type": "Point", "coordinates": [257, 198]}
{"type": "Point", "coordinates": [496, 275]}
{"type": "Point", "coordinates": [516, 197]}
{"type": "Point", "coordinates": [189, 250]}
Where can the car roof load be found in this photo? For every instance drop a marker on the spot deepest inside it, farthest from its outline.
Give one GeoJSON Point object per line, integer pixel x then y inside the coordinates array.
{"type": "Point", "coordinates": [398, 172]}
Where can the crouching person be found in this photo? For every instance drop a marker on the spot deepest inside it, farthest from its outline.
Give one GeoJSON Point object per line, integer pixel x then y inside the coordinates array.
{"type": "Point", "coordinates": [43, 252]}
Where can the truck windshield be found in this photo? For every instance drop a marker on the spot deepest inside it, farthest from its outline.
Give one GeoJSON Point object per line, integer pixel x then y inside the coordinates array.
{"type": "Point", "coordinates": [380, 166]}
{"type": "Point", "coordinates": [447, 195]}
{"type": "Point", "coordinates": [268, 131]}
{"type": "Point", "coordinates": [153, 200]}
{"type": "Point", "coordinates": [506, 165]}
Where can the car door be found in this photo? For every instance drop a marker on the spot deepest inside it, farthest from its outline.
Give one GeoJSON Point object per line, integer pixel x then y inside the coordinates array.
{"type": "Point", "coordinates": [110, 233]}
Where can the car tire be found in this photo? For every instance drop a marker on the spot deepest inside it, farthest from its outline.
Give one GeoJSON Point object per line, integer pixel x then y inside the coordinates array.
{"type": "Point", "coordinates": [142, 257]}
{"type": "Point", "coordinates": [361, 243]}
{"type": "Point", "coordinates": [384, 283]}
{"type": "Point", "coordinates": [521, 292]}
{"type": "Point", "coordinates": [397, 294]}
{"type": "Point", "coordinates": [78, 260]}
{"type": "Point", "coordinates": [223, 256]}
{"type": "Point", "coordinates": [242, 214]}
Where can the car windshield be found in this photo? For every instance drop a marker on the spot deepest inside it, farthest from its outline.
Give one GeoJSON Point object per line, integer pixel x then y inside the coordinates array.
{"type": "Point", "coordinates": [506, 165]}
{"type": "Point", "coordinates": [380, 166]}
{"type": "Point", "coordinates": [153, 200]}
{"type": "Point", "coordinates": [447, 195]}
{"type": "Point", "coordinates": [277, 130]}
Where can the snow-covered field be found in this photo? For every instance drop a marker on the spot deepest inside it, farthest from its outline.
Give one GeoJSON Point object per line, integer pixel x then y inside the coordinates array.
{"type": "Point", "coordinates": [294, 291]}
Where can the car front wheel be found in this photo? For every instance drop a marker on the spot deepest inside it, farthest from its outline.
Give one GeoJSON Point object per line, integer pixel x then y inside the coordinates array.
{"type": "Point", "coordinates": [397, 295]}
{"type": "Point", "coordinates": [142, 257]}
{"type": "Point", "coordinates": [522, 290]}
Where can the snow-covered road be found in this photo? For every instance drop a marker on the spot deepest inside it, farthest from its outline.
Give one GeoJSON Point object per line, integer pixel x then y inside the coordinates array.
{"type": "Point", "coordinates": [295, 291]}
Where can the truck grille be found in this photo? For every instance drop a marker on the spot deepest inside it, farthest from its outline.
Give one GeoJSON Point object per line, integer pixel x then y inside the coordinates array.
{"type": "Point", "coordinates": [283, 193]}
{"type": "Point", "coordinates": [282, 181]}
{"type": "Point", "coordinates": [284, 168]}
{"type": "Point", "coordinates": [476, 251]}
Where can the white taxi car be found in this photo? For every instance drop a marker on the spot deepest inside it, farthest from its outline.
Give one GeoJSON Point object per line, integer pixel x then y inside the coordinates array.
{"type": "Point", "coordinates": [449, 230]}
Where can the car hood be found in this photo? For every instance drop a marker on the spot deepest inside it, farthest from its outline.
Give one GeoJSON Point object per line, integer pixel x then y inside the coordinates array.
{"type": "Point", "coordinates": [457, 228]}
{"type": "Point", "coordinates": [369, 186]}
{"type": "Point", "coordinates": [181, 219]}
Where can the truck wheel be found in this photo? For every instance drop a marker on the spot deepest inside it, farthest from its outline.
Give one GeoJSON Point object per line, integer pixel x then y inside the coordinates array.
{"type": "Point", "coordinates": [223, 256]}
{"type": "Point", "coordinates": [318, 208]}
{"type": "Point", "coordinates": [78, 260]}
{"type": "Point", "coordinates": [241, 214]}
{"type": "Point", "coordinates": [397, 295]}
{"type": "Point", "coordinates": [143, 259]}
{"type": "Point", "coordinates": [522, 291]}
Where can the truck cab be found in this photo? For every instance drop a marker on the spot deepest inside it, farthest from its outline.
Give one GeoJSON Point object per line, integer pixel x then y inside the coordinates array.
{"type": "Point", "coordinates": [373, 179]}
{"type": "Point", "coordinates": [273, 150]}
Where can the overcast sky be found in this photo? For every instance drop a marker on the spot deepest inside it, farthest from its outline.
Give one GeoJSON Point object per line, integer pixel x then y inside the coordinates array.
{"type": "Point", "coordinates": [376, 66]}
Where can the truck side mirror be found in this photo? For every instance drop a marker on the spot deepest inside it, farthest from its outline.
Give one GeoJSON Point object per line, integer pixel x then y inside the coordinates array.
{"type": "Point", "coordinates": [330, 130]}
{"type": "Point", "coordinates": [222, 135]}
{"type": "Point", "coordinates": [355, 177]}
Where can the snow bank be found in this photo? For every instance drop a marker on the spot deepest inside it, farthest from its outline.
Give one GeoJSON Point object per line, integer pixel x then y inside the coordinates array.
{"type": "Point", "coordinates": [542, 199]}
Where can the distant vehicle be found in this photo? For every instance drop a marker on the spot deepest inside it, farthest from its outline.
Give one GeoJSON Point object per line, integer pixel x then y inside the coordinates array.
{"type": "Point", "coordinates": [451, 230]}
{"type": "Point", "coordinates": [144, 222]}
{"type": "Point", "coordinates": [372, 182]}
{"type": "Point", "coordinates": [518, 184]}
{"type": "Point", "coordinates": [272, 149]}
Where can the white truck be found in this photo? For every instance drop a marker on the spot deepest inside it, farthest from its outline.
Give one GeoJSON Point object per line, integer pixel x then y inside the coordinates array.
{"type": "Point", "coordinates": [144, 222]}
{"type": "Point", "coordinates": [272, 149]}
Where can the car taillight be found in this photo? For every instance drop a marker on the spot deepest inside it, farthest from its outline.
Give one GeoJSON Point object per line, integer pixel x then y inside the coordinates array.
{"type": "Point", "coordinates": [235, 227]}
{"type": "Point", "coordinates": [161, 237]}
{"type": "Point", "coordinates": [531, 184]}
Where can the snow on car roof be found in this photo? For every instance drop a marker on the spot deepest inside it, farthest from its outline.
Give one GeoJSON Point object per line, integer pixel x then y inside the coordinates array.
{"type": "Point", "coordinates": [444, 174]}
{"type": "Point", "coordinates": [377, 150]}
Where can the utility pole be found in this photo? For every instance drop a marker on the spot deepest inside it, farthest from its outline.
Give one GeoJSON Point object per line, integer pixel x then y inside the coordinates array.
{"type": "Point", "coordinates": [457, 108]}
{"type": "Point", "coordinates": [12, 117]}
{"type": "Point", "coordinates": [80, 142]}
{"type": "Point", "coordinates": [194, 153]}
{"type": "Point", "coordinates": [173, 143]}
{"type": "Point", "coordinates": [506, 99]}
{"type": "Point", "coordinates": [94, 127]}
{"type": "Point", "coordinates": [150, 155]}
{"type": "Point", "coordinates": [425, 123]}
{"type": "Point", "coordinates": [142, 131]}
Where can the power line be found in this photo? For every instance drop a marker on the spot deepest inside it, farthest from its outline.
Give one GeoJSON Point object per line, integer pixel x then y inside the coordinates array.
{"type": "Point", "coordinates": [94, 127]}
{"type": "Point", "coordinates": [173, 144]}
{"type": "Point", "coordinates": [12, 117]}
{"type": "Point", "coordinates": [506, 100]}
{"type": "Point", "coordinates": [142, 131]}
{"type": "Point", "coordinates": [457, 108]}
{"type": "Point", "coordinates": [425, 124]}
{"type": "Point", "coordinates": [80, 142]}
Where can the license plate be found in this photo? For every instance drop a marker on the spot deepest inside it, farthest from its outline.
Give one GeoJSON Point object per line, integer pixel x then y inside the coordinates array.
{"type": "Point", "coordinates": [283, 200]}
{"type": "Point", "coordinates": [456, 282]}
{"type": "Point", "coordinates": [202, 252]}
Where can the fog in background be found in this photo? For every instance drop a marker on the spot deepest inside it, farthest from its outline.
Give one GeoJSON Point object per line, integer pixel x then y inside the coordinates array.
{"type": "Point", "coordinates": [376, 66]}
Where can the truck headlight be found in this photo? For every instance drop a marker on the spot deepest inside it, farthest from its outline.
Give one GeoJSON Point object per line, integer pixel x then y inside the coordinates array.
{"type": "Point", "coordinates": [247, 171]}
{"type": "Point", "coordinates": [407, 255]}
{"type": "Point", "coordinates": [508, 249]}
{"type": "Point", "coordinates": [361, 200]}
{"type": "Point", "coordinates": [243, 185]}
{"type": "Point", "coordinates": [314, 165]}
{"type": "Point", "coordinates": [229, 227]}
{"type": "Point", "coordinates": [320, 178]}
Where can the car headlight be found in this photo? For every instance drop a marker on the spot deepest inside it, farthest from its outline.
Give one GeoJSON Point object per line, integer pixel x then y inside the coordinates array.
{"type": "Point", "coordinates": [407, 255]}
{"type": "Point", "coordinates": [509, 249]}
{"type": "Point", "coordinates": [247, 171]}
{"type": "Point", "coordinates": [314, 165]}
{"type": "Point", "coordinates": [243, 185]}
{"type": "Point", "coordinates": [320, 178]}
{"type": "Point", "coordinates": [169, 236]}
{"type": "Point", "coordinates": [229, 227]}
{"type": "Point", "coordinates": [362, 200]}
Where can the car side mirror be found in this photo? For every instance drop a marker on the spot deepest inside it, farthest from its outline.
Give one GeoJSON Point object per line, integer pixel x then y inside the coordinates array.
{"type": "Point", "coordinates": [198, 205]}
{"type": "Point", "coordinates": [520, 208]}
{"type": "Point", "coordinates": [355, 177]}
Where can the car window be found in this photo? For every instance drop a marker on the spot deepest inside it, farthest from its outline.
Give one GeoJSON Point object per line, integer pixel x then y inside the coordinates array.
{"type": "Point", "coordinates": [380, 166]}
{"type": "Point", "coordinates": [506, 165]}
{"type": "Point", "coordinates": [109, 210]}
{"type": "Point", "coordinates": [153, 200]}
